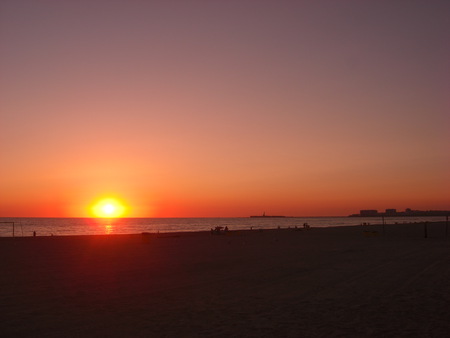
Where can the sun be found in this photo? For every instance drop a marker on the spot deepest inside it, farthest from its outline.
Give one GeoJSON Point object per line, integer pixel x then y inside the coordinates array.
{"type": "Point", "coordinates": [108, 208]}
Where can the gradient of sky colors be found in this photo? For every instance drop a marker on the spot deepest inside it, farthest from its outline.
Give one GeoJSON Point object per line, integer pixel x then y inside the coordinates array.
{"type": "Point", "coordinates": [224, 108]}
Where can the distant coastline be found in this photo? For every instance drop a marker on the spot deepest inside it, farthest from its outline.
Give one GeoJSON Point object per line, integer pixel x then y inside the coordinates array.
{"type": "Point", "coordinates": [407, 213]}
{"type": "Point", "coordinates": [267, 216]}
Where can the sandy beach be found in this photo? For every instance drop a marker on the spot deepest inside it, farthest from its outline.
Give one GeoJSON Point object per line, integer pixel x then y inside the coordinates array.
{"type": "Point", "coordinates": [359, 281]}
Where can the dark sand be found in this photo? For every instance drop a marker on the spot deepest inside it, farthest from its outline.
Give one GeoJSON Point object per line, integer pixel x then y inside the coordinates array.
{"type": "Point", "coordinates": [276, 283]}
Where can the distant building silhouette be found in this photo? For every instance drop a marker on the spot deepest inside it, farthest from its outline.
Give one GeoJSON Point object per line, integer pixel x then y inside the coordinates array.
{"type": "Point", "coordinates": [407, 212]}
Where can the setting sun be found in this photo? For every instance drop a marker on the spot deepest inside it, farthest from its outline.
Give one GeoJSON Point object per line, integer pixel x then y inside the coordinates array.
{"type": "Point", "coordinates": [108, 208]}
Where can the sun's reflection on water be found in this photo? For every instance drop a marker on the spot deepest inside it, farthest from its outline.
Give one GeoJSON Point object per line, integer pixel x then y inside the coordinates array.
{"type": "Point", "coordinates": [108, 229]}
{"type": "Point", "coordinates": [104, 226]}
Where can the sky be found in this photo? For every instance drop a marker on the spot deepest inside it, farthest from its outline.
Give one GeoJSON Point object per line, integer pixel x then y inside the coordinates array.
{"type": "Point", "coordinates": [224, 108]}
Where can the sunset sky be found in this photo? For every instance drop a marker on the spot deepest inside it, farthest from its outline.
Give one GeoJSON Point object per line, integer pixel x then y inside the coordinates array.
{"type": "Point", "coordinates": [224, 108]}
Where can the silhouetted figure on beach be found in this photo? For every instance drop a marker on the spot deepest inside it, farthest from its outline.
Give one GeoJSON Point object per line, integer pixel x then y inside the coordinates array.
{"type": "Point", "coordinates": [34, 233]}
{"type": "Point", "coordinates": [217, 230]}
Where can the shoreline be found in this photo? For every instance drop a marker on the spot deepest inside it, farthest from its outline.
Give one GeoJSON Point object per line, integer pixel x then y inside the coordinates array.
{"type": "Point", "coordinates": [255, 229]}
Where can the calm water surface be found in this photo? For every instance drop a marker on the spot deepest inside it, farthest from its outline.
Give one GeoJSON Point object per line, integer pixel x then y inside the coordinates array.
{"type": "Point", "coordinates": [101, 226]}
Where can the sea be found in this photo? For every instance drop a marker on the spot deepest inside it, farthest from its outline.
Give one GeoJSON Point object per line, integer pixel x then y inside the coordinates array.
{"type": "Point", "coordinates": [24, 227]}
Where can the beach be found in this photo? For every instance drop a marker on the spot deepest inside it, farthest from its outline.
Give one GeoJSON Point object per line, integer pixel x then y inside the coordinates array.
{"type": "Point", "coordinates": [360, 281]}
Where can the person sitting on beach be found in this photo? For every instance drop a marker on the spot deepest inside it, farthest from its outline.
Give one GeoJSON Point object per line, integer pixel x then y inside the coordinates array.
{"type": "Point", "coordinates": [216, 230]}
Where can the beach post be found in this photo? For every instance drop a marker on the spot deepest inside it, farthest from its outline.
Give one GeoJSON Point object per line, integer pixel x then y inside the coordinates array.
{"type": "Point", "coordinates": [446, 227]}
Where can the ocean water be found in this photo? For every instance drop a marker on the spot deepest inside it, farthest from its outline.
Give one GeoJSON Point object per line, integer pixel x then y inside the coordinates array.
{"type": "Point", "coordinates": [102, 226]}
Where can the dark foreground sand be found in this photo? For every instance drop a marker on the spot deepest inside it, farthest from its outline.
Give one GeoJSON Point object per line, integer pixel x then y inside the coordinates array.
{"type": "Point", "coordinates": [281, 283]}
